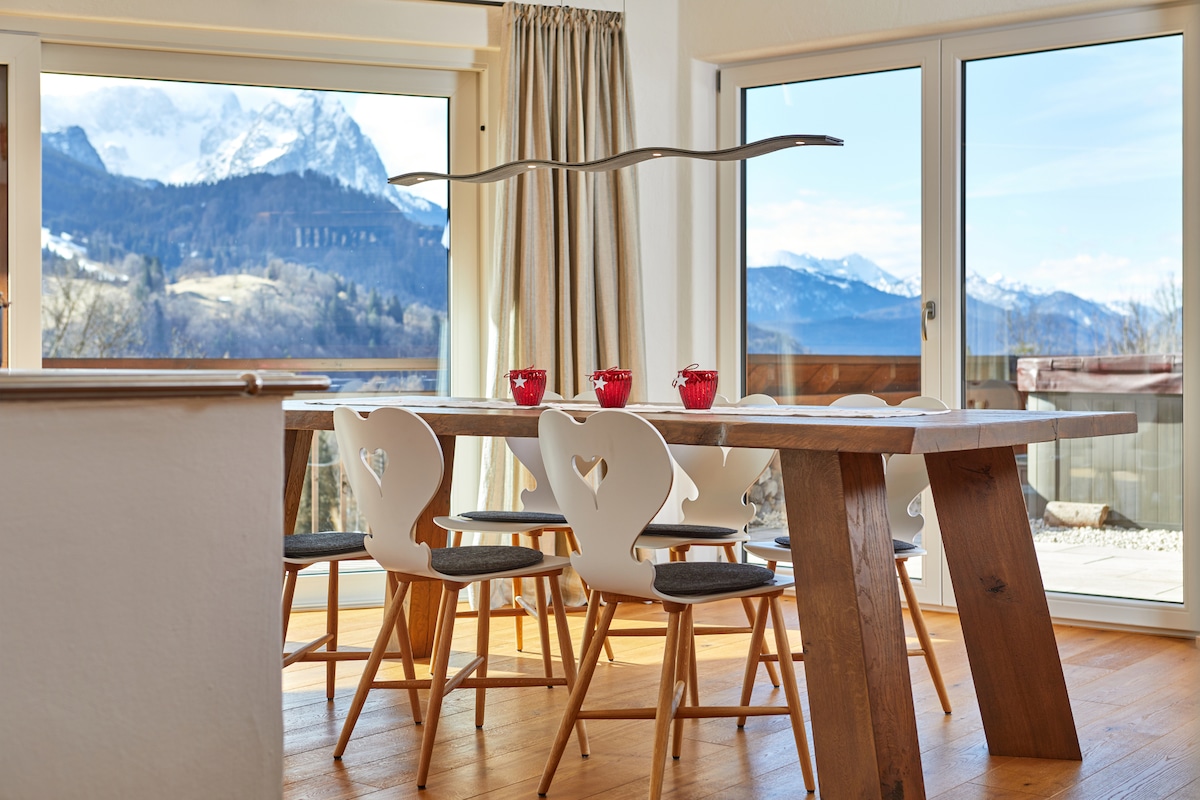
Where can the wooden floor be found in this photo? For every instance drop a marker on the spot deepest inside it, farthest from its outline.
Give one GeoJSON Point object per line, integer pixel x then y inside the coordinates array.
{"type": "Point", "coordinates": [1136, 701]}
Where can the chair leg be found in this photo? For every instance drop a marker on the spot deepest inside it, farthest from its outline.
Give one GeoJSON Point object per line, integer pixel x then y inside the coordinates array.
{"type": "Point", "coordinates": [918, 620]}
{"type": "Point", "coordinates": [331, 627]}
{"type": "Point", "coordinates": [587, 668]}
{"type": "Point", "coordinates": [290, 574]}
{"type": "Point", "coordinates": [772, 675]}
{"type": "Point", "coordinates": [757, 630]}
{"type": "Point", "coordinates": [685, 663]}
{"type": "Point", "coordinates": [788, 672]}
{"type": "Point", "coordinates": [483, 630]}
{"type": "Point", "coordinates": [669, 696]}
{"type": "Point", "coordinates": [437, 625]}
{"type": "Point", "coordinates": [539, 585]}
{"type": "Point", "coordinates": [372, 667]}
{"type": "Point", "coordinates": [406, 655]}
{"type": "Point", "coordinates": [437, 689]}
{"type": "Point", "coordinates": [573, 543]}
{"type": "Point", "coordinates": [517, 589]}
{"type": "Point", "coordinates": [567, 656]}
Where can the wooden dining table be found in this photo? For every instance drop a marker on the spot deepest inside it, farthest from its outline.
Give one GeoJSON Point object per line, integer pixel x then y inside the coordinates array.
{"type": "Point", "coordinates": [855, 655]}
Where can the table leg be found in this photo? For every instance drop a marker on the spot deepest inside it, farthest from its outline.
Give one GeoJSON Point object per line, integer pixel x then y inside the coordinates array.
{"type": "Point", "coordinates": [297, 445]}
{"type": "Point", "coordinates": [855, 657]}
{"type": "Point", "coordinates": [1002, 604]}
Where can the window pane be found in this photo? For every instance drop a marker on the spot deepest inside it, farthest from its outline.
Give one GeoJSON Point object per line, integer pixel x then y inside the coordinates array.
{"type": "Point", "coordinates": [833, 246]}
{"type": "Point", "coordinates": [1073, 258]}
{"type": "Point", "coordinates": [191, 221]}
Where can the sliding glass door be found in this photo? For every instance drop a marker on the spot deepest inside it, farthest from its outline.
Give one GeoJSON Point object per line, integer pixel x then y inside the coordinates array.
{"type": "Point", "coordinates": [1059, 211]}
{"type": "Point", "coordinates": [1072, 258]}
{"type": "Point", "coordinates": [835, 240]}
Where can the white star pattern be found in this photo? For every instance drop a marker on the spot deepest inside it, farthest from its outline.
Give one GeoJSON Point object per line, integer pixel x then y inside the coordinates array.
{"type": "Point", "coordinates": [682, 380]}
{"type": "Point", "coordinates": [519, 383]}
{"type": "Point", "coordinates": [599, 383]}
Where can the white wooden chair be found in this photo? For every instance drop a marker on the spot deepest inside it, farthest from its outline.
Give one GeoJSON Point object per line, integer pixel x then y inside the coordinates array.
{"type": "Point", "coordinates": [391, 503]}
{"type": "Point", "coordinates": [717, 516]}
{"type": "Point", "coordinates": [305, 549]}
{"type": "Point", "coordinates": [539, 514]}
{"type": "Point", "coordinates": [608, 512]}
{"type": "Point", "coordinates": [906, 478]}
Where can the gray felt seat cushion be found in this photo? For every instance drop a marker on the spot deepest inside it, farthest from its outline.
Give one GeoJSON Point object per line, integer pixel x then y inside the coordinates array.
{"type": "Point", "coordinates": [478, 559]}
{"type": "Point", "coordinates": [688, 531]}
{"type": "Point", "coordinates": [324, 544]}
{"type": "Point", "coordinates": [898, 545]}
{"type": "Point", "coordinates": [532, 517]}
{"type": "Point", "coordinates": [708, 577]}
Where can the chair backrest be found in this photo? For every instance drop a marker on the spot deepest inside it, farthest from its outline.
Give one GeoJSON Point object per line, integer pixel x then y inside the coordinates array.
{"type": "Point", "coordinates": [541, 496]}
{"type": "Point", "coordinates": [722, 476]}
{"type": "Point", "coordinates": [904, 473]}
{"type": "Point", "coordinates": [607, 518]}
{"type": "Point", "coordinates": [393, 499]}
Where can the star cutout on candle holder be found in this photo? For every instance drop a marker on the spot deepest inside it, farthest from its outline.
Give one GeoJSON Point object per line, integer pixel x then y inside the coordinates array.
{"type": "Point", "coordinates": [599, 383]}
{"type": "Point", "coordinates": [519, 383]}
{"type": "Point", "coordinates": [681, 380]}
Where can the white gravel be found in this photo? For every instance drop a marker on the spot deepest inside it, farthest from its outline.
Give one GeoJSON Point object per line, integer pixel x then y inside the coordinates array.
{"type": "Point", "coordinates": [1166, 541]}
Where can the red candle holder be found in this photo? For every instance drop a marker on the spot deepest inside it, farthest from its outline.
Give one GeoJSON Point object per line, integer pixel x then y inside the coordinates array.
{"type": "Point", "coordinates": [612, 386]}
{"type": "Point", "coordinates": [527, 385]}
{"type": "Point", "coordinates": [697, 387]}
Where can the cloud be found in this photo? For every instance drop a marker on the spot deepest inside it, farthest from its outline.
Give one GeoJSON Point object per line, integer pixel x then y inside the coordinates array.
{"type": "Point", "coordinates": [1103, 277]}
{"type": "Point", "coordinates": [887, 235]}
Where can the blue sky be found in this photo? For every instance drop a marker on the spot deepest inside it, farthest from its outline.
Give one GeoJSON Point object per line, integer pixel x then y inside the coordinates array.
{"type": "Point", "coordinates": [1073, 169]}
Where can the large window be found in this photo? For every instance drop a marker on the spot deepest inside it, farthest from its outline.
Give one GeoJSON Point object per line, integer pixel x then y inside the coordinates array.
{"type": "Point", "coordinates": [185, 222]}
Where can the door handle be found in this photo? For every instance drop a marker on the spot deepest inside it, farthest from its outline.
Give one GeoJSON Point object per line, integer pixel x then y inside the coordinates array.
{"type": "Point", "coordinates": [928, 312]}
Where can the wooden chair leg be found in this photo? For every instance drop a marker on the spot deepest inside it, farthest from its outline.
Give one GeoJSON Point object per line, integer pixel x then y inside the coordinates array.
{"type": "Point", "coordinates": [483, 629]}
{"type": "Point", "coordinates": [772, 675]}
{"type": "Point", "coordinates": [539, 587]}
{"type": "Point", "coordinates": [567, 656]}
{"type": "Point", "coordinates": [331, 627]}
{"type": "Point", "coordinates": [587, 668]}
{"type": "Point", "coordinates": [669, 697]}
{"type": "Point", "coordinates": [437, 689]}
{"type": "Point", "coordinates": [788, 672]}
{"type": "Point", "coordinates": [757, 630]}
{"type": "Point", "coordinates": [437, 626]}
{"type": "Point", "coordinates": [918, 621]}
{"type": "Point", "coordinates": [406, 655]}
{"type": "Point", "coordinates": [519, 619]}
{"type": "Point", "coordinates": [685, 661]}
{"type": "Point", "coordinates": [372, 667]}
{"type": "Point", "coordinates": [290, 574]}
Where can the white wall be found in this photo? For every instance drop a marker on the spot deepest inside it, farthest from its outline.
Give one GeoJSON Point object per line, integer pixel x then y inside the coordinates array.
{"type": "Point", "coordinates": [139, 598]}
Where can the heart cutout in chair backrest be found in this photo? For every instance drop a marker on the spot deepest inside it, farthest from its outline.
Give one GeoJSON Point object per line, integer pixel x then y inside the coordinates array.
{"type": "Point", "coordinates": [376, 463]}
{"type": "Point", "coordinates": [591, 471]}
{"type": "Point", "coordinates": [585, 465]}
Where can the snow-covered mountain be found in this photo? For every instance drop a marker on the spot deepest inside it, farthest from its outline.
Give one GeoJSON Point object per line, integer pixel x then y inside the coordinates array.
{"type": "Point", "coordinates": [851, 267]}
{"type": "Point", "coordinates": [851, 306]}
{"type": "Point", "coordinates": [205, 135]}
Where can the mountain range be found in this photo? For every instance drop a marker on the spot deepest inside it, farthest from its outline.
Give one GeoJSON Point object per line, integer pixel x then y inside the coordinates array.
{"type": "Point", "coordinates": [142, 132]}
{"type": "Point", "coordinates": [239, 222]}
{"type": "Point", "coordinates": [850, 306]}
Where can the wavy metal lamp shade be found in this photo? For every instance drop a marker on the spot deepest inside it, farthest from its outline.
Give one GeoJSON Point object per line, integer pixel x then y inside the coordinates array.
{"type": "Point", "coordinates": [626, 159]}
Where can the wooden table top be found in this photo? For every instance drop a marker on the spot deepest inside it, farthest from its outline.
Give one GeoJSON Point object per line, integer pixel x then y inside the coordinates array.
{"type": "Point", "coordinates": [969, 429]}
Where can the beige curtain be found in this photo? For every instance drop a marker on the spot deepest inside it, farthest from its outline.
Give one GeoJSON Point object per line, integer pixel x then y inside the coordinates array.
{"type": "Point", "coordinates": [567, 277]}
{"type": "Point", "coordinates": [567, 289]}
